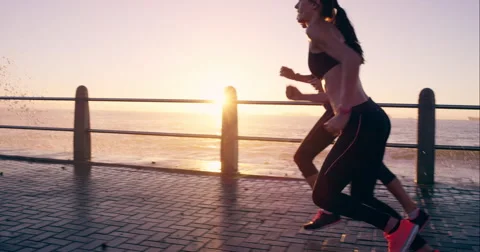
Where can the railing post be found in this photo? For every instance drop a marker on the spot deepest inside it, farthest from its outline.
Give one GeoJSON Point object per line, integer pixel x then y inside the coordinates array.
{"type": "Point", "coordinates": [229, 139]}
{"type": "Point", "coordinates": [426, 138]}
{"type": "Point", "coordinates": [81, 134]}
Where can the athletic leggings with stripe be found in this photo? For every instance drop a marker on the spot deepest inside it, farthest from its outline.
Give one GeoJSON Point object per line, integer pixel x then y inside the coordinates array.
{"type": "Point", "coordinates": [318, 139]}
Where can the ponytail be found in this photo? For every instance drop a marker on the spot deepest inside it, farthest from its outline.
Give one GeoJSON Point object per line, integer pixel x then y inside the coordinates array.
{"type": "Point", "coordinates": [345, 27]}
{"type": "Point", "coordinates": [342, 23]}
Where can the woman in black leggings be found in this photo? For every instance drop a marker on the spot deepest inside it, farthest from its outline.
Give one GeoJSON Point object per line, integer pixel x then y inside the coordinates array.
{"type": "Point", "coordinates": [316, 141]}
{"type": "Point", "coordinates": [335, 56]}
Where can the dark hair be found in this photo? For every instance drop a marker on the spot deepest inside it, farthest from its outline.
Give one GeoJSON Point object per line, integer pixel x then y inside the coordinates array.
{"type": "Point", "coordinates": [342, 23]}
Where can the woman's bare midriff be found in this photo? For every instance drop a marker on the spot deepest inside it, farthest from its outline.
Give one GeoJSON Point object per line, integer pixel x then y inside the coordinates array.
{"type": "Point", "coordinates": [332, 86]}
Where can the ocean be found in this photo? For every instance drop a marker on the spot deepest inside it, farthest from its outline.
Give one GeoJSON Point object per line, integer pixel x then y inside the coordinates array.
{"type": "Point", "coordinates": [255, 157]}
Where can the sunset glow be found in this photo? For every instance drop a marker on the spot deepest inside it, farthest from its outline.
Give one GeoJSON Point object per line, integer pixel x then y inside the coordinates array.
{"type": "Point", "coordinates": [174, 50]}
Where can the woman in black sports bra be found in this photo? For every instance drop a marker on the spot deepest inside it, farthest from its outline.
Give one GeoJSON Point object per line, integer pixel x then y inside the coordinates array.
{"type": "Point", "coordinates": [363, 125]}
{"type": "Point", "coordinates": [319, 138]}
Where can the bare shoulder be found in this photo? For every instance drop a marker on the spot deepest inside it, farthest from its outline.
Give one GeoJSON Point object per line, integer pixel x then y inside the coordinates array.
{"type": "Point", "coordinates": [324, 32]}
{"type": "Point", "coordinates": [329, 38]}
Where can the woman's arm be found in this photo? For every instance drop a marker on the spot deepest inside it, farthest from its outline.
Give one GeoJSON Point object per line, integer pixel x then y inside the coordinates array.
{"type": "Point", "coordinates": [290, 74]}
{"type": "Point", "coordinates": [294, 94]}
{"type": "Point", "coordinates": [315, 98]}
{"type": "Point", "coordinates": [305, 78]}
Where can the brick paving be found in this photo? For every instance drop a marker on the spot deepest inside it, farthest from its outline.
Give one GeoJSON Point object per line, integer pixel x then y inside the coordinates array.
{"type": "Point", "coordinates": [46, 207]}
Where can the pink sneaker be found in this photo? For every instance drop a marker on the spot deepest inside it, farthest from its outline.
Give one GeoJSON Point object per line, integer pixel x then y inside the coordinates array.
{"type": "Point", "coordinates": [322, 220]}
{"type": "Point", "coordinates": [402, 238]}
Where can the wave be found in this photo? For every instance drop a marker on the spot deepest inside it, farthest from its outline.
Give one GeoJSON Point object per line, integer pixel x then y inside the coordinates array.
{"type": "Point", "coordinates": [452, 155]}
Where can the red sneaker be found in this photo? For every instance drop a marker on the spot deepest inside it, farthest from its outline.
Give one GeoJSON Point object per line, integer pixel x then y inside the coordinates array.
{"type": "Point", "coordinates": [402, 238]}
{"type": "Point", "coordinates": [322, 220]}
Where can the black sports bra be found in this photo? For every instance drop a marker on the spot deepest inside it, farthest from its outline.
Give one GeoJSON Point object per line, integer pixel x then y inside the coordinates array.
{"type": "Point", "coordinates": [320, 63]}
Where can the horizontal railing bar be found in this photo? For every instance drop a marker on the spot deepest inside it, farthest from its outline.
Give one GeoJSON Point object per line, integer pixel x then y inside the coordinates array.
{"type": "Point", "coordinates": [457, 147]}
{"type": "Point", "coordinates": [270, 139]}
{"type": "Point", "coordinates": [26, 98]}
{"type": "Point", "coordinates": [246, 138]}
{"type": "Point", "coordinates": [34, 128]}
{"type": "Point", "coordinates": [247, 102]}
{"type": "Point", "coordinates": [152, 133]}
{"type": "Point", "coordinates": [402, 145]}
{"type": "Point", "coordinates": [151, 100]}
{"type": "Point", "coordinates": [213, 136]}
{"type": "Point", "coordinates": [463, 107]}
{"type": "Point", "coordinates": [299, 140]}
{"type": "Point", "coordinates": [306, 103]}
{"type": "Point", "coordinates": [107, 99]}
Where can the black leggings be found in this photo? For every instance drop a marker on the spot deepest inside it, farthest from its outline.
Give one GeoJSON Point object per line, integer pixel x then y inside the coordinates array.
{"type": "Point", "coordinates": [362, 190]}
{"type": "Point", "coordinates": [316, 141]}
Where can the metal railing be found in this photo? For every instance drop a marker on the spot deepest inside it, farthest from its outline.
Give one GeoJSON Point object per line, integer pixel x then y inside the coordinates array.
{"type": "Point", "coordinates": [229, 137]}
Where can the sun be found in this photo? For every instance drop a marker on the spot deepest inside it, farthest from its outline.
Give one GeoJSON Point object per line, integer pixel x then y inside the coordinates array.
{"type": "Point", "coordinates": [214, 92]}
{"type": "Point", "coordinates": [221, 98]}
{"type": "Point", "coordinates": [214, 82]}
{"type": "Point", "coordinates": [216, 106]}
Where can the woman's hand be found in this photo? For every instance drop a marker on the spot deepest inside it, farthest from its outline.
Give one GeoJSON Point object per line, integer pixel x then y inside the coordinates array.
{"type": "Point", "coordinates": [293, 93]}
{"type": "Point", "coordinates": [287, 73]}
{"type": "Point", "coordinates": [337, 123]}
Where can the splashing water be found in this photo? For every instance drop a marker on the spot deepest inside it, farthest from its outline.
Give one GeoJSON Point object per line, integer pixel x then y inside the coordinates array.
{"type": "Point", "coordinates": [10, 86]}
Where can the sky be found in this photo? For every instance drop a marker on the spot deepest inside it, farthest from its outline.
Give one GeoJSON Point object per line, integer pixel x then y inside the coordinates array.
{"type": "Point", "coordinates": [193, 49]}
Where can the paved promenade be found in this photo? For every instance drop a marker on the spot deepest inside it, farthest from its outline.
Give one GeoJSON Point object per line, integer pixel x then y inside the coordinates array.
{"type": "Point", "coordinates": [45, 207]}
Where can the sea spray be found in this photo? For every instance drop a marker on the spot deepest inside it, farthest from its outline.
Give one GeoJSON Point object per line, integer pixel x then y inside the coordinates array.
{"type": "Point", "coordinates": [10, 85]}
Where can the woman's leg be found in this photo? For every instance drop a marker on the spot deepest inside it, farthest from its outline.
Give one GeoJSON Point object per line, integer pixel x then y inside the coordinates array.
{"type": "Point", "coordinates": [361, 147]}
{"type": "Point", "coordinates": [390, 181]}
{"type": "Point", "coordinates": [364, 192]}
{"type": "Point", "coordinates": [395, 187]}
{"type": "Point", "coordinates": [315, 142]}
{"type": "Point", "coordinates": [418, 244]}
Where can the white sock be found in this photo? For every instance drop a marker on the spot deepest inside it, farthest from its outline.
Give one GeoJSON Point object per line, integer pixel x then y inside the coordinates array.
{"type": "Point", "coordinates": [414, 214]}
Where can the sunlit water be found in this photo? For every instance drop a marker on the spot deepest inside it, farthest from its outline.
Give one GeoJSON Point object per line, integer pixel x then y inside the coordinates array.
{"type": "Point", "coordinates": [262, 158]}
